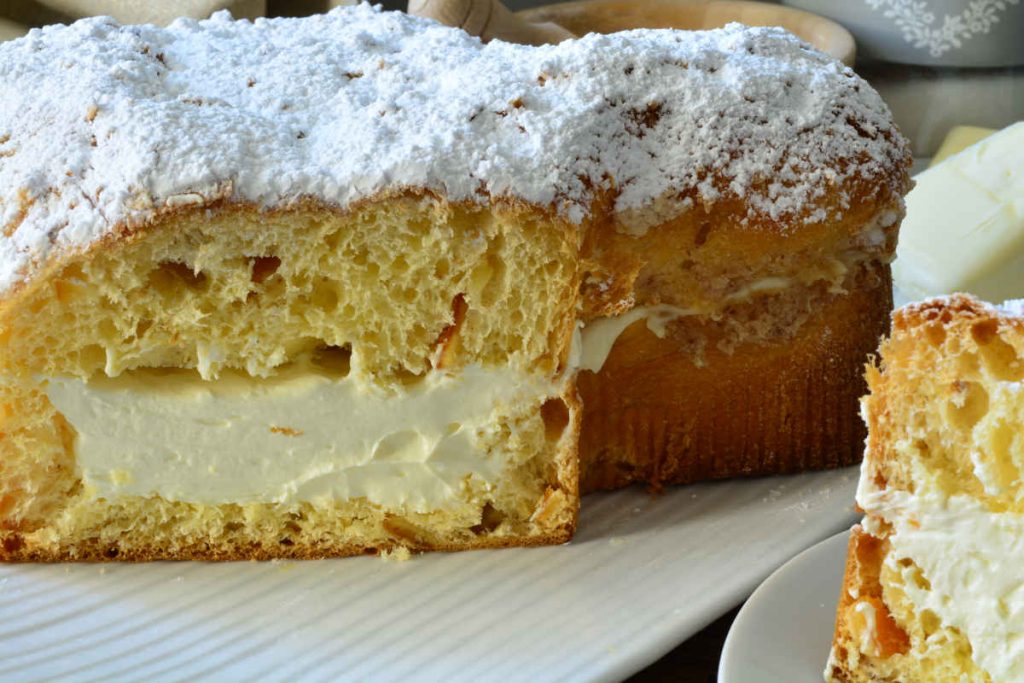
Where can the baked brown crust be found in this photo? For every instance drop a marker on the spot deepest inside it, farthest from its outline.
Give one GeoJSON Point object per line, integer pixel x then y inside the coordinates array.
{"type": "Point", "coordinates": [715, 400]}
{"type": "Point", "coordinates": [698, 256]}
{"type": "Point", "coordinates": [651, 415]}
{"type": "Point", "coordinates": [862, 583]}
{"type": "Point", "coordinates": [855, 571]}
{"type": "Point", "coordinates": [14, 549]}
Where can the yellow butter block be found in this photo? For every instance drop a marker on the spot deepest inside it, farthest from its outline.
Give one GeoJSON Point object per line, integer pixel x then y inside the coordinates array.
{"type": "Point", "coordinates": [958, 139]}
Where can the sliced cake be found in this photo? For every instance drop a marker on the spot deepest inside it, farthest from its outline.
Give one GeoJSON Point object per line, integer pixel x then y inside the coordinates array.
{"type": "Point", "coordinates": [934, 576]}
{"type": "Point", "coordinates": [308, 287]}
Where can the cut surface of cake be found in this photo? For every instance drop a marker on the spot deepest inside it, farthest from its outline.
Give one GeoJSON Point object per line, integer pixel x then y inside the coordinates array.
{"type": "Point", "coordinates": [309, 287]}
{"type": "Point", "coordinates": [225, 332]}
{"type": "Point", "coordinates": [934, 573]}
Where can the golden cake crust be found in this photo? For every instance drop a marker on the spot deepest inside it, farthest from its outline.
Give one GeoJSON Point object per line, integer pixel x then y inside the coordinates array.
{"type": "Point", "coordinates": [651, 415]}
{"type": "Point", "coordinates": [776, 393]}
{"type": "Point", "coordinates": [862, 584]}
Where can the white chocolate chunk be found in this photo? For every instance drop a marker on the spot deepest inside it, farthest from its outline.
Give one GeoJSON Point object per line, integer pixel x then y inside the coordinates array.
{"type": "Point", "coordinates": [964, 229]}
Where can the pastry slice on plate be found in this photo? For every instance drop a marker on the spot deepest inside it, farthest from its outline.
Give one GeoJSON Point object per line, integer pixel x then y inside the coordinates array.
{"type": "Point", "coordinates": [934, 575]}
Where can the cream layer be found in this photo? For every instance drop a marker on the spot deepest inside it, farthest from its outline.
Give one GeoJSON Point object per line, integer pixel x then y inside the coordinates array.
{"type": "Point", "coordinates": [599, 336]}
{"type": "Point", "coordinates": [305, 434]}
{"type": "Point", "coordinates": [969, 558]}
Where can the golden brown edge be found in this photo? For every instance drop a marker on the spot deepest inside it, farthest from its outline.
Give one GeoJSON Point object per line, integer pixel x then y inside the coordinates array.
{"type": "Point", "coordinates": [835, 668]}
{"type": "Point", "coordinates": [665, 446]}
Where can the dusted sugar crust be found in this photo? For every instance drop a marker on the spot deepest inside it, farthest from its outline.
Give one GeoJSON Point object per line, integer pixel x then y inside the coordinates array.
{"type": "Point", "coordinates": [104, 127]}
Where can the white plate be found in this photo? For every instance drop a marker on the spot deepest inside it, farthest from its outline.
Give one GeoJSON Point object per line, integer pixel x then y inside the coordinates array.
{"type": "Point", "coordinates": [644, 573]}
{"type": "Point", "coordinates": [784, 631]}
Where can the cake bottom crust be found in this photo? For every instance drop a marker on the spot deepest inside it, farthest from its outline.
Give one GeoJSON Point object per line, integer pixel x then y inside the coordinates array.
{"type": "Point", "coordinates": [862, 582]}
{"type": "Point", "coordinates": [95, 550]}
{"type": "Point", "coordinates": [652, 415]}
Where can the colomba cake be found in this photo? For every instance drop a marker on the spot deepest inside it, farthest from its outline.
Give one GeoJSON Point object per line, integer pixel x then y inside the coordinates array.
{"type": "Point", "coordinates": [323, 286]}
{"type": "Point", "coordinates": [270, 291]}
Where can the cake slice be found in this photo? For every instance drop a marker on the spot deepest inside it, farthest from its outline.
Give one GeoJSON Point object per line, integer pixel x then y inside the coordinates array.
{"type": "Point", "coordinates": [228, 382]}
{"type": "Point", "coordinates": [933, 582]}
{"type": "Point", "coordinates": [215, 346]}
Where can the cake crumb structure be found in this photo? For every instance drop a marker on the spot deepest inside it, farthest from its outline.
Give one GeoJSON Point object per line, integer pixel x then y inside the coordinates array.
{"type": "Point", "coordinates": [373, 207]}
{"type": "Point", "coordinates": [937, 558]}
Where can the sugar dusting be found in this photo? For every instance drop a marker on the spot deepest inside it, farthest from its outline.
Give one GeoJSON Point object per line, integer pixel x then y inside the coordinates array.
{"type": "Point", "coordinates": [1013, 307]}
{"type": "Point", "coordinates": [103, 126]}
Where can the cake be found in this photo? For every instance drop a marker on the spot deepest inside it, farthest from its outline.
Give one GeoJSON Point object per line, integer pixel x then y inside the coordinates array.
{"type": "Point", "coordinates": [726, 325]}
{"type": "Point", "coordinates": [314, 287]}
{"type": "Point", "coordinates": [932, 589]}
{"type": "Point", "coordinates": [227, 333]}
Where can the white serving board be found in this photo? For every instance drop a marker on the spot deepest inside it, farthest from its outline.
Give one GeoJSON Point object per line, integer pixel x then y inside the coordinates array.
{"type": "Point", "coordinates": [644, 573]}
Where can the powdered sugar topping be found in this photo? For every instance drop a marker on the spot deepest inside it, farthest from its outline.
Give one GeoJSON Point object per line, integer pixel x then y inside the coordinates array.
{"type": "Point", "coordinates": [104, 126]}
{"type": "Point", "coordinates": [1013, 308]}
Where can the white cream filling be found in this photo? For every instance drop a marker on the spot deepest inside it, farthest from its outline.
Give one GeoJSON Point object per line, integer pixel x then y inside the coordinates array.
{"type": "Point", "coordinates": [766, 285]}
{"type": "Point", "coordinates": [301, 435]}
{"type": "Point", "coordinates": [868, 638]}
{"type": "Point", "coordinates": [971, 559]}
{"type": "Point", "coordinates": [599, 336]}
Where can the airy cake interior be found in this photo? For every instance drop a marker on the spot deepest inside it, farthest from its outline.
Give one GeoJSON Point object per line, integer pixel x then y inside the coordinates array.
{"type": "Point", "coordinates": [945, 409]}
{"type": "Point", "coordinates": [389, 293]}
{"type": "Point", "coordinates": [930, 587]}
